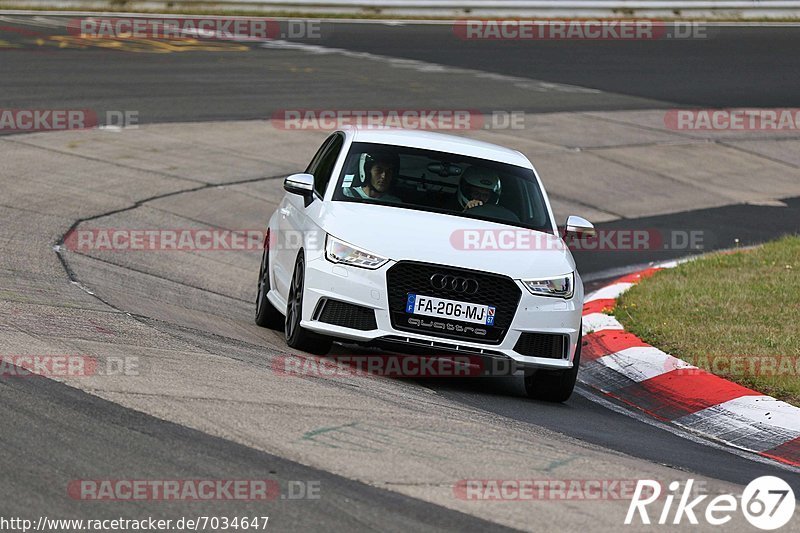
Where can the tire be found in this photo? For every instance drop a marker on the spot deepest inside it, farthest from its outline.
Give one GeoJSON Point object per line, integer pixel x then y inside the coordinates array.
{"type": "Point", "coordinates": [297, 336]}
{"type": "Point", "coordinates": [266, 314]}
{"type": "Point", "coordinates": [554, 385]}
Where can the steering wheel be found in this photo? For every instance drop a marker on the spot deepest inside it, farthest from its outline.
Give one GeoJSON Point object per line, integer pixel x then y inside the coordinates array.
{"type": "Point", "coordinates": [494, 211]}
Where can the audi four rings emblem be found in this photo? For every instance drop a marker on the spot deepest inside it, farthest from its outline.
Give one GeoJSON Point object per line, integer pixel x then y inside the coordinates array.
{"type": "Point", "coordinates": [454, 283]}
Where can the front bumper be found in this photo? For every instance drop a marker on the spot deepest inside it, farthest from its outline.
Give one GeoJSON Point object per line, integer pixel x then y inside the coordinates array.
{"type": "Point", "coordinates": [367, 288]}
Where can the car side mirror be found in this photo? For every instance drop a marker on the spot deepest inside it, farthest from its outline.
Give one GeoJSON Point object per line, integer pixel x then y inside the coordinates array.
{"type": "Point", "coordinates": [579, 227]}
{"type": "Point", "coordinates": [302, 184]}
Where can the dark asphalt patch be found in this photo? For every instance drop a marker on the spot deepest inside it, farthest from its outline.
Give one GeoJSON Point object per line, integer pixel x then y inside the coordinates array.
{"type": "Point", "coordinates": [54, 434]}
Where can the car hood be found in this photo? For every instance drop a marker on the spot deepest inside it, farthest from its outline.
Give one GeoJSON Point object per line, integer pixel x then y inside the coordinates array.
{"type": "Point", "coordinates": [405, 234]}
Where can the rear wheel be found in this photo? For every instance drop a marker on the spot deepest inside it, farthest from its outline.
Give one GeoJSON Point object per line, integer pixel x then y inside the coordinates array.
{"type": "Point", "coordinates": [296, 335]}
{"type": "Point", "coordinates": [555, 385]}
{"type": "Point", "coordinates": [266, 314]}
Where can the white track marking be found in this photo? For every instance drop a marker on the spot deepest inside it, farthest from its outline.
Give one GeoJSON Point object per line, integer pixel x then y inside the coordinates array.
{"type": "Point", "coordinates": [642, 362]}
{"type": "Point", "coordinates": [610, 292]}
{"type": "Point", "coordinates": [680, 432]}
{"type": "Point", "coordinates": [600, 322]}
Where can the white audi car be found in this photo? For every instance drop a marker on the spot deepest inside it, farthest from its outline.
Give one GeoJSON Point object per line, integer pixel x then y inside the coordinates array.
{"type": "Point", "coordinates": [408, 239]}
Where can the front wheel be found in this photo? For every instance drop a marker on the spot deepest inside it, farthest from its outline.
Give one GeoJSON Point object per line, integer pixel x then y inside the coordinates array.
{"type": "Point", "coordinates": [297, 336]}
{"type": "Point", "coordinates": [555, 385]}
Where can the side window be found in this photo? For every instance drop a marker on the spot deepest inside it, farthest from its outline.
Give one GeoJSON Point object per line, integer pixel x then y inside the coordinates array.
{"type": "Point", "coordinates": [315, 160]}
{"type": "Point", "coordinates": [321, 167]}
{"type": "Point", "coordinates": [322, 174]}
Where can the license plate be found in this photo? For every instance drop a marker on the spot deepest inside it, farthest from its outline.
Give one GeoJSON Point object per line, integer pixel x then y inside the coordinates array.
{"type": "Point", "coordinates": [418, 304]}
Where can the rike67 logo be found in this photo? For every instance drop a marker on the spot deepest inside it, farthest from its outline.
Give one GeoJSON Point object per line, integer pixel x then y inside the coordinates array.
{"type": "Point", "coordinates": [767, 503]}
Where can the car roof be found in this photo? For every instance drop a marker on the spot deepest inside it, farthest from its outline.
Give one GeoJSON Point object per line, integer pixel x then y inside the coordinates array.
{"type": "Point", "coordinates": [439, 142]}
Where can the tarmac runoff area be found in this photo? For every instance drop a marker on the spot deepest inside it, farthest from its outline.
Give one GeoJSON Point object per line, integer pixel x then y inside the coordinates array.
{"type": "Point", "coordinates": [186, 317]}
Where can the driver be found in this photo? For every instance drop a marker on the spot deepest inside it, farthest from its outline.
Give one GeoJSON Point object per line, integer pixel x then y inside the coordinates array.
{"type": "Point", "coordinates": [478, 186]}
{"type": "Point", "coordinates": [380, 169]}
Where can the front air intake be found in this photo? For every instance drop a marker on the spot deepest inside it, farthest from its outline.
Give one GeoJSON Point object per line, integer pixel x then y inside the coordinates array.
{"type": "Point", "coordinates": [542, 345]}
{"type": "Point", "coordinates": [346, 315]}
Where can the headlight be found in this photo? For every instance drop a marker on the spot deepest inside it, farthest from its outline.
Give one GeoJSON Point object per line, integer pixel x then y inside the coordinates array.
{"type": "Point", "coordinates": [559, 287]}
{"type": "Point", "coordinates": [337, 251]}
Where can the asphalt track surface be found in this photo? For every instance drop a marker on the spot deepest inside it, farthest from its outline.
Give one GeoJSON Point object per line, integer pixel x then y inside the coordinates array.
{"type": "Point", "coordinates": [729, 67]}
{"type": "Point", "coordinates": [735, 67]}
{"type": "Point", "coordinates": [52, 432]}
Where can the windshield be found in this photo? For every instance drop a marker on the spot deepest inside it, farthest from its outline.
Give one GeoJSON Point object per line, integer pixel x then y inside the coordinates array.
{"type": "Point", "coordinates": [426, 180]}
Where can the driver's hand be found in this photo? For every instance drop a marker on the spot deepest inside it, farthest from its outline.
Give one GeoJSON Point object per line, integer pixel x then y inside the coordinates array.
{"type": "Point", "coordinates": [473, 203]}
